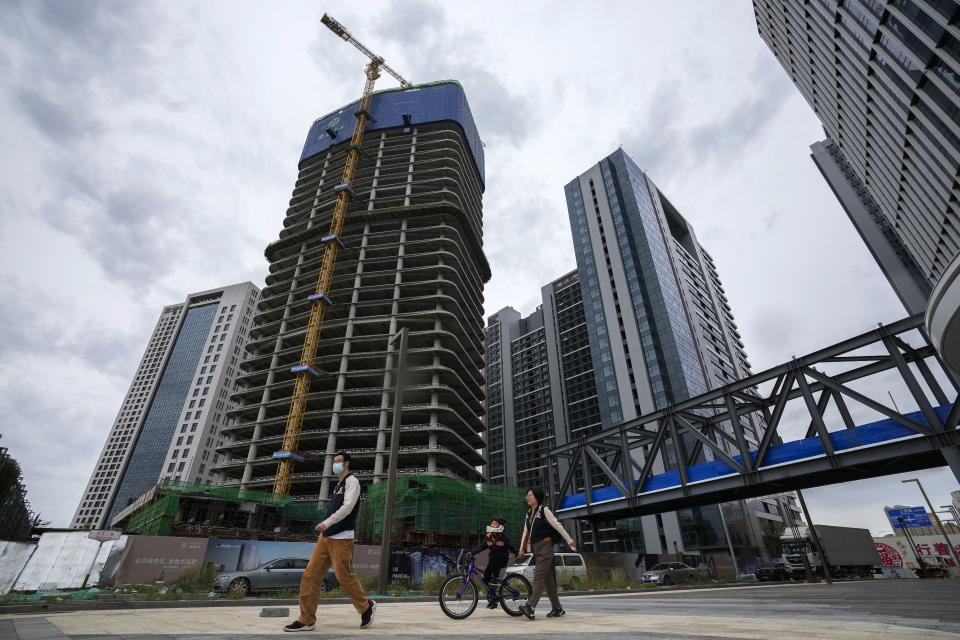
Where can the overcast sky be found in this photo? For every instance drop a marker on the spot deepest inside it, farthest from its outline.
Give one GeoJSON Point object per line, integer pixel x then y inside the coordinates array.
{"type": "Point", "coordinates": [148, 150]}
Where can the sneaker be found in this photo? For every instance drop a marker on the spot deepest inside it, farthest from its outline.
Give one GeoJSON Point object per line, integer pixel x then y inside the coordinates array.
{"type": "Point", "coordinates": [296, 625]}
{"type": "Point", "coordinates": [526, 610]}
{"type": "Point", "coordinates": [492, 604]}
{"type": "Point", "coordinates": [366, 618]}
{"type": "Point", "coordinates": [557, 613]}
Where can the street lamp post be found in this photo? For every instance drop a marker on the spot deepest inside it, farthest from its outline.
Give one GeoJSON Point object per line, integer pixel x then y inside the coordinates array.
{"type": "Point", "coordinates": [387, 529]}
{"type": "Point", "coordinates": [936, 520]}
{"type": "Point", "coordinates": [952, 510]}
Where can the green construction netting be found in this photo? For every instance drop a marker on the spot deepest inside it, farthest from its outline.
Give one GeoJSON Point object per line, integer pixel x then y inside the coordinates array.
{"type": "Point", "coordinates": [226, 493]}
{"type": "Point", "coordinates": [155, 519]}
{"type": "Point", "coordinates": [443, 505]}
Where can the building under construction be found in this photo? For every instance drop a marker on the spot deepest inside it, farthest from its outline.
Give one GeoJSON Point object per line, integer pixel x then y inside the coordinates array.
{"type": "Point", "coordinates": [430, 511]}
{"type": "Point", "coordinates": [411, 257]}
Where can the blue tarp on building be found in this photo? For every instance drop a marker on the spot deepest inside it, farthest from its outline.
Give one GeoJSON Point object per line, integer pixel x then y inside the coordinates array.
{"type": "Point", "coordinates": [420, 104]}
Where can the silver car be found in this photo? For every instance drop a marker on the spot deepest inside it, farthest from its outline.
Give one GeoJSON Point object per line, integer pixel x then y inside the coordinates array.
{"type": "Point", "coordinates": [282, 574]}
{"type": "Point", "coordinates": [667, 573]}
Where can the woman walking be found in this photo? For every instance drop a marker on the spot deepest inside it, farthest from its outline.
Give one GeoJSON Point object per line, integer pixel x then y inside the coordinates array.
{"type": "Point", "coordinates": [540, 531]}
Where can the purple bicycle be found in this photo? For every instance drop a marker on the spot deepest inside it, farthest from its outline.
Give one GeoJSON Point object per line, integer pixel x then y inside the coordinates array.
{"type": "Point", "coordinates": [460, 592]}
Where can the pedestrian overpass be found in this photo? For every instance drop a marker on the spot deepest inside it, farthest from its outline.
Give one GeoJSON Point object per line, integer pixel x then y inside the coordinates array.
{"type": "Point", "coordinates": [729, 440]}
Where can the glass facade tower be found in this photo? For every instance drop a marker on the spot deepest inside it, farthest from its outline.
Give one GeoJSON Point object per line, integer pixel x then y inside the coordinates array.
{"type": "Point", "coordinates": [659, 326]}
{"type": "Point", "coordinates": [170, 422]}
{"type": "Point", "coordinates": [883, 77]}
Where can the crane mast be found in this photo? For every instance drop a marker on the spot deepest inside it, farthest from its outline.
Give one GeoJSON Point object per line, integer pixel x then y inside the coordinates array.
{"type": "Point", "coordinates": [305, 371]}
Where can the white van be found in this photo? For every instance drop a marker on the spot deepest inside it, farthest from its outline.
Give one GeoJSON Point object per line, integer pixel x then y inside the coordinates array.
{"type": "Point", "coordinates": [570, 568]}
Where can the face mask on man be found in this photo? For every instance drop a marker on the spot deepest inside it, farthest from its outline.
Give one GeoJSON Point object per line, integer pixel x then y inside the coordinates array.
{"type": "Point", "coordinates": [338, 468]}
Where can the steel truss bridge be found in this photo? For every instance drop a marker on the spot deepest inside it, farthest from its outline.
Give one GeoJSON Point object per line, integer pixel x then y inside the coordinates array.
{"type": "Point", "coordinates": [739, 465]}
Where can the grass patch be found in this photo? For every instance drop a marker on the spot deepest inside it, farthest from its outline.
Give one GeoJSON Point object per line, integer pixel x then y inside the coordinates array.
{"type": "Point", "coordinates": [432, 582]}
{"type": "Point", "coordinates": [195, 580]}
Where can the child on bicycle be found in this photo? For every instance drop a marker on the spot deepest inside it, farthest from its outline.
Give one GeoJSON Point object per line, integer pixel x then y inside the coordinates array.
{"type": "Point", "coordinates": [498, 544]}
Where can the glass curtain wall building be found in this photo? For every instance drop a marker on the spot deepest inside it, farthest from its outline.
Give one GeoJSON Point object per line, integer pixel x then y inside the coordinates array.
{"type": "Point", "coordinates": [172, 417]}
{"type": "Point", "coordinates": [412, 257]}
{"type": "Point", "coordinates": [883, 77]}
{"type": "Point", "coordinates": [540, 392]}
{"type": "Point", "coordinates": [658, 324]}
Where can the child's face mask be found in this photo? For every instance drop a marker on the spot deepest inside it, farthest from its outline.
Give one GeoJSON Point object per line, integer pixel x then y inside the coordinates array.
{"type": "Point", "coordinates": [494, 529]}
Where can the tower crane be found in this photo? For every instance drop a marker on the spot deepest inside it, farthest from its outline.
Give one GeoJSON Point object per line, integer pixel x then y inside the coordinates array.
{"type": "Point", "coordinates": [305, 371]}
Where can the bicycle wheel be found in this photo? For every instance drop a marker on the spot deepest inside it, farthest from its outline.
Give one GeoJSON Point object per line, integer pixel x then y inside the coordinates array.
{"type": "Point", "coordinates": [455, 604]}
{"type": "Point", "coordinates": [514, 591]}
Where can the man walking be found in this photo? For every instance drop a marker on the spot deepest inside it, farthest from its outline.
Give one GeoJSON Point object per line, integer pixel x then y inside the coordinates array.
{"type": "Point", "coordinates": [335, 546]}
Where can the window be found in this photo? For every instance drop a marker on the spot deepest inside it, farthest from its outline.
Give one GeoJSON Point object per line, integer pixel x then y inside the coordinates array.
{"type": "Point", "coordinates": [179, 441]}
{"type": "Point", "coordinates": [176, 453]}
{"type": "Point", "coordinates": [180, 467]}
{"type": "Point", "coordinates": [187, 417]}
{"type": "Point", "coordinates": [189, 439]}
{"type": "Point", "coordinates": [170, 467]}
{"type": "Point", "coordinates": [202, 401]}
{"type": "Point", "coordinates": [193, 427]}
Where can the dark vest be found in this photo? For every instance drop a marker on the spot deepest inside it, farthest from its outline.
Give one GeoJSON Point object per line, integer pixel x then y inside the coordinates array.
{"type": "Point", "coordinates": [541, 528]}
{"type": "Point", "coordinates": [336, 501]}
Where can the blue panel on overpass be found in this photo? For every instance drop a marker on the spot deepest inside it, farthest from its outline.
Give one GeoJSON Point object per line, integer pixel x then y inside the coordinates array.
{"type": "Point", "coordinates": [872, 433]}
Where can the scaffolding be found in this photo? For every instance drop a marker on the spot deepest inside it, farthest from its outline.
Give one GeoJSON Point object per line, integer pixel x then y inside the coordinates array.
{"type": "Point", "coordinates": [434, 511]}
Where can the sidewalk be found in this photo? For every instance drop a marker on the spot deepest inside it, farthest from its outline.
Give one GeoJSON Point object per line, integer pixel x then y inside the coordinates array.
{"type": "Point", "coordinates": [423, 619]}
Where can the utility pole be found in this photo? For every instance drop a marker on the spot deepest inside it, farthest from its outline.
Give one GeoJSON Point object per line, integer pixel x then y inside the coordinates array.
{"type": "Point", "coordinates": [936, 520]}
{"type": "Point", "coordinates": [815, 537]}
{"type": "Point", "coordinates": [726, 532]}
{"type": "Point", "coordinates": [916, 554]}
{"type": "Point", "coordinates": [387, 529]}
{"type": "Point", "coordinates": [787, 514]}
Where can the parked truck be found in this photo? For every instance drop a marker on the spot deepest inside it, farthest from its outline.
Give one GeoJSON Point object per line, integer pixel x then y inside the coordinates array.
{"type": "Point", "coordinates": [849, 551]}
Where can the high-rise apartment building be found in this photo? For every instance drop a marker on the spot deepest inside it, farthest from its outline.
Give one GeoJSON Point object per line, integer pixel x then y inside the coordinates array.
{"type": "Point", "coordinates": [172, 417]}
{"type": "Point", "coordinates": [539, 385]}
{"type": "Point", "coordinates": [412, 257]}
{"type": "Point", "coordinates": [882, 77]}
{"type": "Point", "coordinates": [659, 327]}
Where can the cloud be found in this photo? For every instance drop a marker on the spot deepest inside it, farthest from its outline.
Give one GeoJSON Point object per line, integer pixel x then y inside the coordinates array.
{"type": "Point", "coordinates": [56, 121]}
{"type": "Point", "coordinates": [409, 21]}
{"type": "Point", "coordinates": [665, 141]}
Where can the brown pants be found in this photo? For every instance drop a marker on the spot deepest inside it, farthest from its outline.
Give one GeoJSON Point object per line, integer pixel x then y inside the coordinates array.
{"type": "Point", "coordinates": [544, 574]}
{"type": "Point", "coordinates": [338, 553]}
